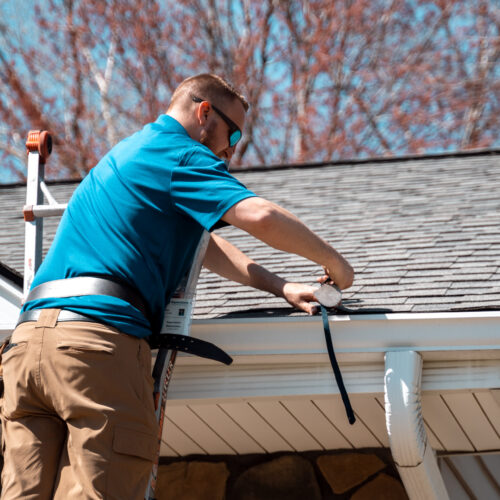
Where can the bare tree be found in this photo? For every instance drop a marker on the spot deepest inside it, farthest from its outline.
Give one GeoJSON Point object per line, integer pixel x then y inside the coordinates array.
{"type": "Point", "coordinates": [326, 79]}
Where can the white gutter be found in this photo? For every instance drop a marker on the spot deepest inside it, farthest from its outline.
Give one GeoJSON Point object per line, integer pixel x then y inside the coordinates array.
{"type": "Point", "coordinates": [10, 302]}
{"type": "Point", "coordinates": [461, 335]}
{"type": "Point", "coordinates": [411, 451]}
{"type": "Point", "coordinates": [10, 292]}
{"type": "Point", "coordinates": [356, 338]}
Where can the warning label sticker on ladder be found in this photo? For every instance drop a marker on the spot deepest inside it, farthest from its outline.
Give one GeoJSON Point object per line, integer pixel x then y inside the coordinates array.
{"type": "Point", "coordinates": [177, 317]}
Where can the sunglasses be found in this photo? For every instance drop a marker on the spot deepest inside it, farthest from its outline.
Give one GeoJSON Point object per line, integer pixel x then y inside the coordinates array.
{"type": "Point", "coordinates": [234, 134]}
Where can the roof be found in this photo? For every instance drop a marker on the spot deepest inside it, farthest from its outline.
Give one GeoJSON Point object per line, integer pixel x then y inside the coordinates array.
{"type": "Point", "coordinates": [423, 233]}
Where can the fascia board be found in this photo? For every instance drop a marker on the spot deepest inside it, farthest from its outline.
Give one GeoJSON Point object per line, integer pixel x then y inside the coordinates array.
{"type": "Point", "coordinates": [313, 378]}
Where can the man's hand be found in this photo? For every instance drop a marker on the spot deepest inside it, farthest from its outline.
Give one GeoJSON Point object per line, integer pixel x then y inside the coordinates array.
{"type": "Point", "coordinates": [300, 296]}
{"type": "Point", "coordinates": [341, 275]}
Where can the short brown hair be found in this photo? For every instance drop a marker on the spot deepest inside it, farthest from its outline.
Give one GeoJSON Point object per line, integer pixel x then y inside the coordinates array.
{"type": "Point", "coordinates": [210, 87]}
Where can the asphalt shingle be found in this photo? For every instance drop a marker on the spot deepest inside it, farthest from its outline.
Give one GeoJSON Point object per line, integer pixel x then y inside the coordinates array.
{"type": "Point", "coordinates": [423, 234]}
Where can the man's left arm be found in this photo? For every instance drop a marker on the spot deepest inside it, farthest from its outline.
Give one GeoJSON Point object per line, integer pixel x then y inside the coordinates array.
{"type": "Point", "coordinates": [229, 262]}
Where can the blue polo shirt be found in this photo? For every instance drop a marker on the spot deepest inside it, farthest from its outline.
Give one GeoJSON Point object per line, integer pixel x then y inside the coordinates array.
{"type": "Point", "coordinates": [138, 216]}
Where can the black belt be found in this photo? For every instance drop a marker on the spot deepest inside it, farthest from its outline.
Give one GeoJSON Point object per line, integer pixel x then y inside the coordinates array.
{"type": "Point", "coordinates": [335, 366]}
{"type": "Point", "coordinates": [330, 296]}
{"type": "Point", "coordinates": [191, 345]}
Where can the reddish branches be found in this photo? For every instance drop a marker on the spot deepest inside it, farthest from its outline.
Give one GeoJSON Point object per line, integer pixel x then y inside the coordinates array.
{"type": "Point", "coordinates": [326, 80]}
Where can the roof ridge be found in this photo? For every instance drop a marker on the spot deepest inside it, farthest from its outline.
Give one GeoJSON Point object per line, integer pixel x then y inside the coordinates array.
{"type": "Point", "coordinates": [348, 161]}
{"type": "Point", "coordinates": [375, 159]}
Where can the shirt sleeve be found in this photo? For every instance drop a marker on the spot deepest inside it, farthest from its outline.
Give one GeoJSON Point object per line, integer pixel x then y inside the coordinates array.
{"type": "Point", "coordinates": [202, 188]}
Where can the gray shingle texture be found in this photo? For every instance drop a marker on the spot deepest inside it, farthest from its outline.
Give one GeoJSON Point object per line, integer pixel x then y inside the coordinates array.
{"type": "Point", "coordinates": [422, 234]}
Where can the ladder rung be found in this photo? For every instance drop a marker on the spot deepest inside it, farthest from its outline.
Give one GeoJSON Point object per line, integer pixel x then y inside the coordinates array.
{"type": "Point", "coordinates": [32, 212]}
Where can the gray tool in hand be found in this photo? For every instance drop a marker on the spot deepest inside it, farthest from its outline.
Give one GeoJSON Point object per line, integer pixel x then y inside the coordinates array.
{"type": "Point", "coordinates": [328, 295]}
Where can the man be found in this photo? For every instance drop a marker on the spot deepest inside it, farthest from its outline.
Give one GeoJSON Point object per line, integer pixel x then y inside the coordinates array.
{"type": "Point", "coordinates": [78, 417]}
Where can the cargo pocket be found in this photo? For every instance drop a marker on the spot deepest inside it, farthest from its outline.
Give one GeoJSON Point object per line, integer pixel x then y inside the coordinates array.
{"type": "Point", "coordinates": [10, 350]}
{"type": "Point", "coordinates": [12, 366]}
{"type": "Point", "coordinates": [131, 462]}
{"type": "Point", "coordinates": [15, 345]}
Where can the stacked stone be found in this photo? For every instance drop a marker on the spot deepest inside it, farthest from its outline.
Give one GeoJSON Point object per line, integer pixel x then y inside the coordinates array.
{"type": "Point", "coordinates": [342, 475]}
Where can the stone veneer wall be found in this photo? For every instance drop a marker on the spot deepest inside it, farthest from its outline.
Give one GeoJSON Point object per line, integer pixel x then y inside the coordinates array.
{"type": "Point", "coordinates": [336, 475]}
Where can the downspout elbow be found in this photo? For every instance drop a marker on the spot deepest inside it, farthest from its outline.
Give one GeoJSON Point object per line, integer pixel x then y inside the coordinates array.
{"type": "Point", "coordinates": [411, 451]}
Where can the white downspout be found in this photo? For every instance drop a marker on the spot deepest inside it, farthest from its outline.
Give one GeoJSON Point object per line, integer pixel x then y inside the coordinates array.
{"type": "Point", "coordinates": [411, 451]}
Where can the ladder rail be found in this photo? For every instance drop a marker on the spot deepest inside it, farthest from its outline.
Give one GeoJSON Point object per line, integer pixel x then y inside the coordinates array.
{"type": "Point", "coordinates": [39, 147]}
{"type": "Point", "coordinates": [165, 359]}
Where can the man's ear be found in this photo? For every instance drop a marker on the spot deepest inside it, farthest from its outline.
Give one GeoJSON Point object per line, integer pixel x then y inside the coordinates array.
{"type": "Point", "coordinates": [203, 112]}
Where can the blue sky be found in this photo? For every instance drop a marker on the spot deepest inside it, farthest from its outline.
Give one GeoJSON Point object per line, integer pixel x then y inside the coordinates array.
{"type": "Point", "coordinates": [20, 18]}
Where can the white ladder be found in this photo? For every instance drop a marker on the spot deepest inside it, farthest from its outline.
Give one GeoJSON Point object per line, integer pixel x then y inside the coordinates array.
{"type": "Point", "coordinates": [39, 147]}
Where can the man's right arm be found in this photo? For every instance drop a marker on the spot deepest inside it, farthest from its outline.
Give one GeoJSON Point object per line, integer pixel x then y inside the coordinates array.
{"type": "Point", "coordinates": [282, 230]}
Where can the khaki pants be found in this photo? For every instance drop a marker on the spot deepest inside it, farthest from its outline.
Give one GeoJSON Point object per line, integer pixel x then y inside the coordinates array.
{"type": "Point", "coordinates": [78, 416]}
